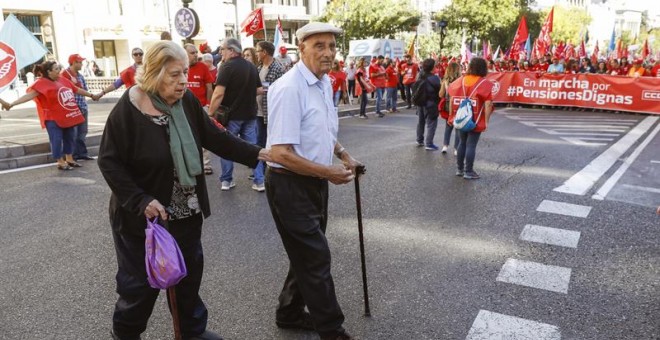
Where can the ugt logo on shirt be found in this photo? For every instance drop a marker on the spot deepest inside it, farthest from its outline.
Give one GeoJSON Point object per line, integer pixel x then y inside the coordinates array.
{"type": "Point", "coordinates": [66, 98]}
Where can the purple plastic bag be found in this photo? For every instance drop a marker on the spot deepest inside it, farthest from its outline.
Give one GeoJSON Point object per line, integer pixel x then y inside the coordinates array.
{"type": "Point", "coordinates": [163, 259]}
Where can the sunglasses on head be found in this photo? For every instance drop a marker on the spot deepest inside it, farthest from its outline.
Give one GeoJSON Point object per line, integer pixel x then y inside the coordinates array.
{"type": "Point", "coordinates": [138, 54]}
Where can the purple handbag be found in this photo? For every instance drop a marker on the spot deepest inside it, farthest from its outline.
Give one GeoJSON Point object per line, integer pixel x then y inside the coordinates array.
{"type": "Point", "coordinates": [164, 262]}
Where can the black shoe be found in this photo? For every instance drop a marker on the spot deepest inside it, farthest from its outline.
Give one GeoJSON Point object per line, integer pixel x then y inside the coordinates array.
{"type": "Point", "coordinates": [207, 335]}
{"type": "Point", "coordinates": [341, 336]}
{"type": "Point", "coordinates": [84, 158]}
{"type": "Point", "coordinates": [116, 337]}
{"type": "Point", "coordinates": [303, 322]}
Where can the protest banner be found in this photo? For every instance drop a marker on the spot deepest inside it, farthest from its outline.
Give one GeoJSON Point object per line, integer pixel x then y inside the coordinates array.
{"type": "Point", "coordinates": [594, 91]}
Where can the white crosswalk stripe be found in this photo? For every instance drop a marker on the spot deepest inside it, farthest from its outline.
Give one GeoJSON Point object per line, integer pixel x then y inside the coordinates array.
{"type": "Point", "coordinates": [535, 275]}
{"type": "Point", "coordinates": [495, 326]}
{"type": "Point", "coordinates": [584, 130]}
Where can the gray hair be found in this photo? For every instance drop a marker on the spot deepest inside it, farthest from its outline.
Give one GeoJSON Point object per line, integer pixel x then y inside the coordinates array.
{"type": "Point", "coordinates": [151, 72]}
{"type": "Point", "coordinates": [233, 45]}
{"type": "Point", "coordinates": [207, 57]}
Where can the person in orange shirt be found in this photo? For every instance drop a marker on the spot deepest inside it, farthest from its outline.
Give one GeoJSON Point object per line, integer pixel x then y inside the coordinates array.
{"type": "Point", "coordinates": [475, 86]}
{"type": "Point", "coordinates": [637, 70]}
{"type": "Point", "coordinates": [378, 78]}
{"type": "Point", "coordinates": [390, 85]}
{"type": "Point", "coordinates": [410, 71]}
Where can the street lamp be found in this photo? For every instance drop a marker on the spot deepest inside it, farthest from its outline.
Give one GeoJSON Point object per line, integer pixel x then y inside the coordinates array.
{"type": "Point", "coordinates": [443, 31]}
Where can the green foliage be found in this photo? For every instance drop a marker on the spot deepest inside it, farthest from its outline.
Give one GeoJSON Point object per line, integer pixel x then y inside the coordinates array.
{"type": "Point", "coordinates": [569, 24]}
{"type": "Point", "coordinates": [370, 18]}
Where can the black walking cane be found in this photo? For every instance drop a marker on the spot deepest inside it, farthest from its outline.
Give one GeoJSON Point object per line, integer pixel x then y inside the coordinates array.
{"type": "Point", "coordinates": [175, 312]}
{"type": "Point", "coordinates": [360, 170]}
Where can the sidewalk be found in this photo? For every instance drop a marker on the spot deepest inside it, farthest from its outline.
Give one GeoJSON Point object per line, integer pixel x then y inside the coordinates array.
{"type": "Point", "coordinates": [24, 143]}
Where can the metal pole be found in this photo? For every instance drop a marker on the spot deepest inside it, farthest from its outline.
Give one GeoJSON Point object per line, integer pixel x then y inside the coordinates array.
{"type": "Point", "coordinates": [237, 31]}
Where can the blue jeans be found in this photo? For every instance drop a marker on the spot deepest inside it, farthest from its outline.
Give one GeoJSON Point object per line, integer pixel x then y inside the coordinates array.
{"type": "Point", "coordinates": [261, 141]}
{"type": "Point", "coordinates": [427, 116]}
{"type": "Point", "coordinates": [363, 103]}
{"type": "Point", "coordinates": [61, 140]}
{"type": "Point", "coordinates": [247, 130]}
{"type": "Point", "coordinates": [80, 149]}
{"type": "Point", "coordinates": [408, 89]}
{"type": "Point", "coordinates": [467, 150]}
{"type": "Point", "coordinates": [379, 97]}
{"type": "Point", "coordinates": [335, 98]}
{"type": "Point", "coordinates": [448, 130]}
{"type": "Point", "coordinates": [390, 102]}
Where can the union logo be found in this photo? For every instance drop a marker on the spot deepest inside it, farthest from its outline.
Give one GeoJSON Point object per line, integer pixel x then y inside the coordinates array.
{"type": "Point", "coordinates": [66, 98]}
{"type": "Point", "coordinates": [496, 87]}
{"type": "Point", "coordinates": [8, 68]}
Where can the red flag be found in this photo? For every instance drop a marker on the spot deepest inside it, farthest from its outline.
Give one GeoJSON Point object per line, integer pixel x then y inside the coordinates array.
{"type": "Point", "coordinates": [619, 52]}
{"type": "Point", "coordinates": [582, 51]}
{"type": "Point", "coordinates": [645, 49]}
{"type": "Point", "coordinates": [569, 53]}
{"type": "Point", "coordinates": [594, 54]}
{"type": "Point", "coordinates": [544, 41]}
{"type": "Point", "coordinates": [254, 22]}
{"type": "Point", "coordinates": [519, 39]}
{"type": "Point", "coordinates": [559, 50]}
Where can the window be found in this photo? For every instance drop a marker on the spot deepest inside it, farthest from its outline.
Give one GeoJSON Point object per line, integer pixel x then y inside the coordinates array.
{"type": "Point", "coordinates": [105, 50]}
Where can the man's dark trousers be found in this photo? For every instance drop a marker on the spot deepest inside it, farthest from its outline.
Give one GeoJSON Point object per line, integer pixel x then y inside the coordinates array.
{"type": "Point", "coordinates": [79, 147]}
{"type": "Point", "coordinates": [299, 205]}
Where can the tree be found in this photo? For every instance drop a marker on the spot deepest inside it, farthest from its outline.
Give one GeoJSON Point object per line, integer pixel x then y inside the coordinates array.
{"type": "Point", "coordinates": [494, 20]}
{"type": "Point", "coordinates": [570, 24]}
{"type": "Point", "coordinates": [370, 18]}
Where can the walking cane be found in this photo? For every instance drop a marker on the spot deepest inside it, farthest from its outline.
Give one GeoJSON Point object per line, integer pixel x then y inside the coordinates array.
{"type": "Point", "coordinates": [360, 170]}
{"type": "Point", "coordinates": [175, 313]}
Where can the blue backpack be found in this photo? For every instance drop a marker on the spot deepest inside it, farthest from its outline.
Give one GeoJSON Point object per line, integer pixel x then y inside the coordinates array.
{"type": "Point", "coordinates": [463, 120]}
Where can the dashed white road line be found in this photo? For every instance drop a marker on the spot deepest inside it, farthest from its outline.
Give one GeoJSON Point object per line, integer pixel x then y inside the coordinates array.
{"type": "Point", "coordinates": [535, 275]}
{"type": "Point", "coordinates": [494, 326]}
{"type": "Point", "coordinates": [656, 162]}
{"type": "Point", "coordinates": [582, 181]}
{"type": "Point", "coordinates": [552, 236]}
{"type": "Point", "coordinates": [641, 188]}
{"type": "Point", "coordinates": [611, 182]}
{"type": "Point", "coordinates": [562, 208]}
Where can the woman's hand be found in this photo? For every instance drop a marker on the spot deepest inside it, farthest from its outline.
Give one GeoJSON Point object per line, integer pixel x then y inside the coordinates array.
{"type": "Point", "coordinates": [155, 209]}
{"type": "Point", "coordinates": [5, 105]}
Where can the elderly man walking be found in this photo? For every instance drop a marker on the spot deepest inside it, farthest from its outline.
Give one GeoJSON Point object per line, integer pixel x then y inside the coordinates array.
{"type": "Point", "coordinates": [236, 90]}
{"type": "Point", "coordinates": [302, 135]}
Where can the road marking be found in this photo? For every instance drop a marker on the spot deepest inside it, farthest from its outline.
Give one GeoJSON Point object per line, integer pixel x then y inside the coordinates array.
{"type": "Point", "coordinates": [27, 168]}
{"type": "Point", "coordinates": [611, 182]}
{"type": "Point", "coordinates": [641, 188]}
{"type": "Point", "coordinates": [656, 162]}
{"type": "Point", "coordinates": [535, 275]}
{"type": "Point", "coordinates": [581, 140]}
{"type": "Point", "coordinates": [562, 208]}
{"type": "Point", "coordinates": [490, 326]}
{"type": "Point", "coordinates": [582, 181]}
{"type": "Point", "coordinates": [552, 236]}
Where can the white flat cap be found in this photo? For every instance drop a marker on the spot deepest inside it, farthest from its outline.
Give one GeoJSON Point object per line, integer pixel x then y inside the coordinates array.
{"type": "Point", "coordinates": [316, 28]}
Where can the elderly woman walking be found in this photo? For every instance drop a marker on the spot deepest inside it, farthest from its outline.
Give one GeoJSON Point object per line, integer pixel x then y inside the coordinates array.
{"type": "Point", "coordinates": [151, 157]}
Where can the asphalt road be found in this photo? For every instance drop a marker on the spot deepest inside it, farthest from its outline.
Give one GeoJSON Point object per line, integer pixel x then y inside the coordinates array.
{"type": "Point", "coordinates": [445, 255]}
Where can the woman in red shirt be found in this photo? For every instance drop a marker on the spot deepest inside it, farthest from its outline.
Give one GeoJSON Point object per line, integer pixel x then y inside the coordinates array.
{"type": "Point", "coordinates": [390, 86]}
{"type": "Point", "coordinates": [475, 86]}
{"type": "Point", "coordinates": [57, 108]}
{"type": "Point", "coordinates": [338, 81]}
{"type": "Point", "coordinates": [363, 87]}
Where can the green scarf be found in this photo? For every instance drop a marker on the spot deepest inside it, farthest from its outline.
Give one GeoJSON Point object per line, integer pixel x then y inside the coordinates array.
{"type": "Point", "coordinates": [182, 143]}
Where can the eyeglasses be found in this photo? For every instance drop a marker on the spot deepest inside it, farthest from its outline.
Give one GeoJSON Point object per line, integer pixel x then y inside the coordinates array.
{"type": "Point", "coordinates": [139, 54]}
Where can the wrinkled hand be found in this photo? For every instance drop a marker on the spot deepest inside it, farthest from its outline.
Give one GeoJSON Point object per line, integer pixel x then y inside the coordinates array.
{"type": "Point", "coordinates": [264, 155]}
{"type": "Point", "coordinates": [340, 174]}
{"type": "Point", "coordinates": [155, 209]}
{"type": "Point", "coordinates": [352, 164]}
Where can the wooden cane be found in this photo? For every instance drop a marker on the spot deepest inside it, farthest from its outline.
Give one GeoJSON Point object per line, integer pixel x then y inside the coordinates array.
{"type": "Point", "coordinates": [175, 313]}
{"type": "Point", "coordinates": [358, 201]}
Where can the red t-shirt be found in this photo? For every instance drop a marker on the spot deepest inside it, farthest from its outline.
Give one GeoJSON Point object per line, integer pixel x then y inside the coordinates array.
{"type": "Point", "coordinates": [482, 94]}
{"type": "Point", "coordinates": [392, 77]}
{"type": "Point", "coordinates": [410, 73]}
{"type": "Point", "coordinates": [655, 71]}
{"type": "Point", "coordinates": [56, 101]}
{"type": "Point", "coordinates": [375, 75]}
{"type": "Point", "coordinates": [198, 77]}
{"type": "Point", "coordinates": [337, 79]}
{"type": "Point", "coordinates": [128, 76]}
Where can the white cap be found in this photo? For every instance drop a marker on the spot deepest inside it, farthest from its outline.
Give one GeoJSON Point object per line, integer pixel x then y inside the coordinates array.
{"type": "Point", "coordinates": [316, 28]}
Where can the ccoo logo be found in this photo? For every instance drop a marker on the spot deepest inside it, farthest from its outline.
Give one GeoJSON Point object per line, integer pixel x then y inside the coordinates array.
{"type": "Point", "coordinates": [8, 68]}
